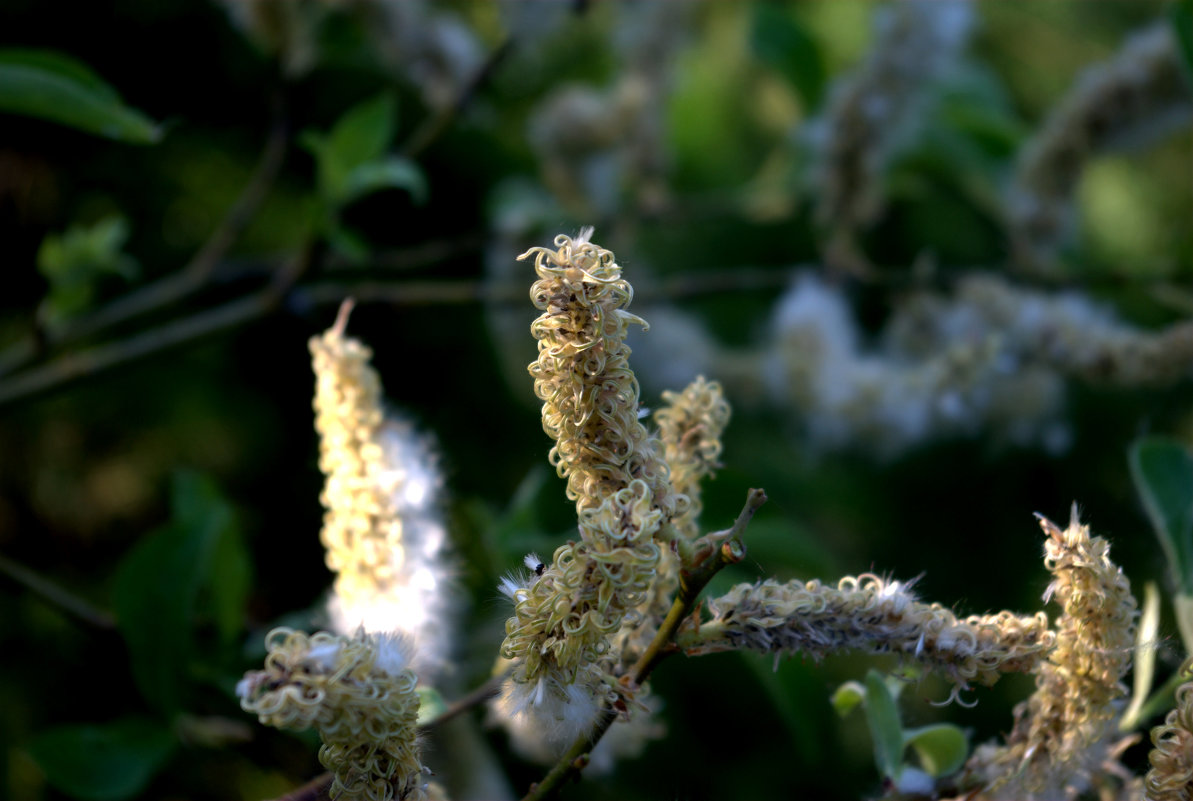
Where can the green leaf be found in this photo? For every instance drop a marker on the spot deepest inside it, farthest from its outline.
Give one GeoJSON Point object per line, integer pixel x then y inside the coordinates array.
{"type": "Point", "coordinates": [229, 582]}
{"type": "Point", "coordinates": [1181, 16]}
{"type": "Point", "coordinates": [941, 747]}
{"type": "Point", "coordinates": [430, 704]}
{"type": "Point", "coordinates": [390, 173]}
{"type": "Point", "coordinates": [847, 697]}
{"type": "Point", "coordinates": [1163, 473]}
{"type": "Point", "coordinates": [52, 86]}
{"type": "Point", "coordinates": [780, 42]}
{"type": "Point", "coordinates": [885, 728]}
{"type": "Point", "coordinates": [361, 136]}
{"type": "Point", "coordinates": [103, 763]}
{"type": "Point", "coordinates": [60, 64]}
{"type": "Point", "coordinates": [75, 260]}
{"type": "Point", "coordinates": [1144, 667]}
{"type": "Point", "coordinates": [365, 131]}
{"type": "Point", "coordinates": [157, 588]}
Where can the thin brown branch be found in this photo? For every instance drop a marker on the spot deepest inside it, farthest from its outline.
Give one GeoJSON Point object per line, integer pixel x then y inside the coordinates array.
{"type": "Point", "coordinates": [88, 362]}
{"type": "Point", "coordinates": [461, 705]}
{"type": "Point", "coordinates": [56, 595]}
{"type": "Point", "coordinates": [177, 286]}
{"type": "Point", "coordinates": [434, 126]}
{"type": "Point", "coordinates": [314, 790]}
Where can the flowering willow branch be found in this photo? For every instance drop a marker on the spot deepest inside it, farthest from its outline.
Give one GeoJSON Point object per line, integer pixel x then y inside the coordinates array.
{"type": "Point", "coordinates": [559, 636]}
{"type": "Point", "coordinates": [706, 559]}
{"type": "Point", "coordinates": [1065, 735]}
{"type": "Point", "coordinates": [870, 615]}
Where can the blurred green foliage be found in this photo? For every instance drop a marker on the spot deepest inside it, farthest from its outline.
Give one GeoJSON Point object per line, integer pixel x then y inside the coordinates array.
{"type": "Point", "coordinates": [179, 490]}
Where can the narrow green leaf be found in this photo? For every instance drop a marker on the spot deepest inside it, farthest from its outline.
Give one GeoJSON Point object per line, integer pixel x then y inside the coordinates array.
{"type": "Point", "coordinates": [847, 697]}
{"type": "Point", "coordinates": [157, 587]}
{"type": "Point", "coordinates": [940, 747]}
{"type": "Point", "coordinates": [60, 64]}
{"type": "Point", "coordinates": [1144, 667]}
{"type": "Point", "coordinates": [103, 763]}
{"type": "Point", "coordinates": [885, 728]}
{"type": "Point", "coordinates": [389, 173]}
{"type": "Point", "coordinates": [54, 87]}
{"type": "Point", "coordinates": [780, 42]}
{"type": "Point", "coordinates": [1163, 473]}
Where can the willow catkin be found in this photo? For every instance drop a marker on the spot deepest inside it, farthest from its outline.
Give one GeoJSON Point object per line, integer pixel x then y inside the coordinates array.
{"type": "Point", "coordinates": [1064, 734]}
{"type": "Point", "coordinates": [870, 614]}
{"type": "Point", "coordinates": [1171, 758]}
{"type": "Point", "coordinates": [381, 527]}
{"type": "Point", "coordinates": [563, 620]}
{"type": "Point", "coordinates": [358, 693]}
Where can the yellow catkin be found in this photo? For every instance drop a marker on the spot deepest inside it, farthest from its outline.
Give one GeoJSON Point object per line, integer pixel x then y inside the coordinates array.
{"type": "Point", "coordinates": [871, 615]}
{"type": "Point", "coordinates": [1065, 733]}
{"type": "Point", "coordinates": [563, 620]}
{"type": "Point", "coordinates": [363, 540]}
{"type": "Point", "coordinates": [381, 527]}
{"type": "Point", "coordinates": [690, 426]}
{"type": "Point", "coordinates": [359, 695]}
{"type": "Point", "coordinates": [1171, 776]}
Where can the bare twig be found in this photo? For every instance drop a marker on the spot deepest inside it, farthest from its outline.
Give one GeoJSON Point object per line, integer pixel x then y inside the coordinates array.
{"type": "Point", "coordinates": [88, 362]}
{"type": "Point", "coordinates": [434, 126]}
{"type": "Point", "coordinates": [314, 790]}
{"type": "Point", "coordinates": [56, 595]}
{"type": "Point", "coordinates": [461, 705]}
{"type": "Point", "coordinates": [710, 554]}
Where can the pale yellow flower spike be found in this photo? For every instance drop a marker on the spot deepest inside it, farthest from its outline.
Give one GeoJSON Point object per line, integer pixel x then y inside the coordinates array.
{"type": "Point", "coordinates": [382, 529]}
{"type": "Point", "coordinates": [1171, 776]}
{"type": "Point", "coordinates": [562, 622]}
{"type": "Point", "coordinates": [359, 694]}
{"type": "Point", "coordinates": [1065, 733]}
{"type": "Point", "coordinates": [363, 545]}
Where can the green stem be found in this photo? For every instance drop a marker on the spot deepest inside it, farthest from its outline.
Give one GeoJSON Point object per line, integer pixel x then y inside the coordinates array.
{"type": "Point", "coordinates": [711, 553]}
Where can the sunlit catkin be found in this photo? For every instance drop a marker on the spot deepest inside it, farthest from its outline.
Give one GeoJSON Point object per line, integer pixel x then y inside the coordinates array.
{"type": "Point", "coordinates": [690, 426]}
{"type": "Point", "coordinates": [381, 528]}
{"type": "Point", "coordinates": [1065, 732]}
{"type": "Point", "coordinates": [358, 693]}
{"type": "Point", "coordinates": [870, 615]}
{"type": "Point", "coordinates": [1171, 776]}
{"type": "Point", "coordinates": [563, 620]}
